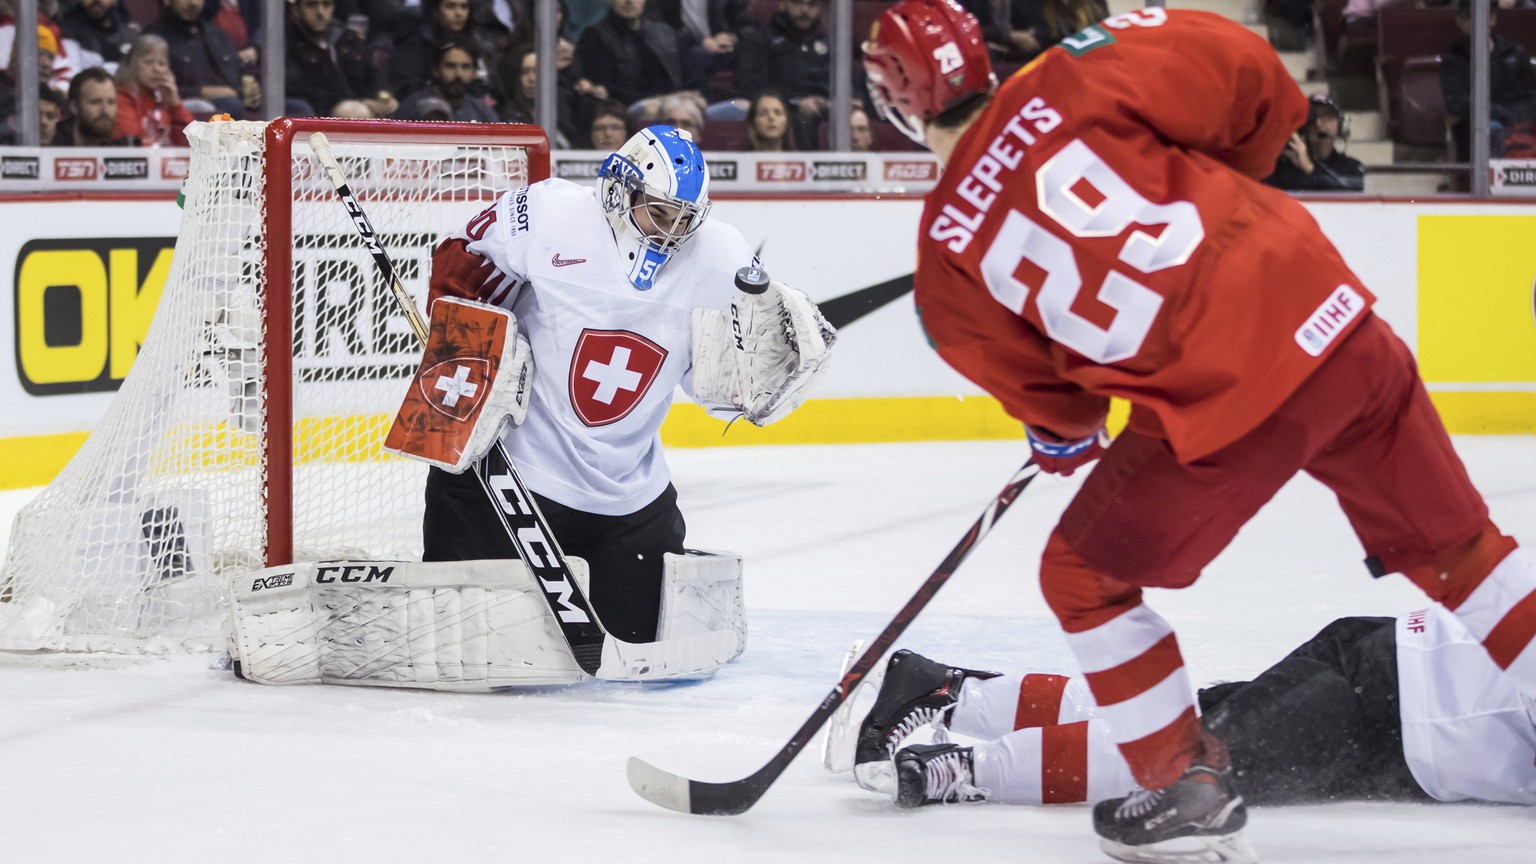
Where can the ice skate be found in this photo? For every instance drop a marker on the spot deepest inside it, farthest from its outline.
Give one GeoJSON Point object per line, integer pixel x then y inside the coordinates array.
{"type": "Point", "coordinates": [915, 693]}
{"type": "Point", "coordinates": [1198, 819]}
{"type": "Point", "coordinates": [935, 774]}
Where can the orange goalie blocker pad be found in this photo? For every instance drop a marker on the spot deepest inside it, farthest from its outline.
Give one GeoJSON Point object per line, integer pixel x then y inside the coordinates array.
{"type": "Point", "coordinates": [476, 370]}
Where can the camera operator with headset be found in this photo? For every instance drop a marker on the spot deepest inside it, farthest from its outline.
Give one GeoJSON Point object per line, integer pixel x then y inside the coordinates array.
{"type": "Point", "coordinates": [1309, 162]}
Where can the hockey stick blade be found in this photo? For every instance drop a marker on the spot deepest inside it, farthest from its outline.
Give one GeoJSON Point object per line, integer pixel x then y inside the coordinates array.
{"type": "Point", "coordinates": [733, 798]}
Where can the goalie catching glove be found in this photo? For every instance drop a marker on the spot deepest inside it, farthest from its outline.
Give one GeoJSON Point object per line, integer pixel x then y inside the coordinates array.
{"type": "Point", "coordinates": [762, 356]}
{"type": "Point", "coordinates": [476, 370]}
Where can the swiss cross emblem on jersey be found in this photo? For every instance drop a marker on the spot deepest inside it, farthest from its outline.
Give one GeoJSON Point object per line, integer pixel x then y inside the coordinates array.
{"type": "Point", "coordinates": [611, 372]}
{"type": "Point", "coordinates": [455, 387]}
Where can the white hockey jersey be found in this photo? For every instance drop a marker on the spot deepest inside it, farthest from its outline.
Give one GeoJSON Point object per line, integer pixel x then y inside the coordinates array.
{"type": "Point", "coordinates": [607, 356]}
{"type": "Point", "coordinates": [1468, 732]}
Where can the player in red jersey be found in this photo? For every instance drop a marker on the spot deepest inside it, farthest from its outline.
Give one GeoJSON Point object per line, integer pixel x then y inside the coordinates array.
{"type": "Point", "coordinates": [1099, 231]}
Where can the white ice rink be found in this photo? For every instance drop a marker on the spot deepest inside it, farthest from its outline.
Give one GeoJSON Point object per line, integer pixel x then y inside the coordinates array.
{"type": "Point", "coordinates": [172, 761]}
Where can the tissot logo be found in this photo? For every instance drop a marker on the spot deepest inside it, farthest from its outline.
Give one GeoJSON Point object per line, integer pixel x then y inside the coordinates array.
{"type": "Point", "coordinates": [131, 168]}
{"type": "Point", "coordinates": [840, 170]}
{"type": "Point", "coordinates": [19, 168]}
{"type": "Point", "coordinates": [74, 168]}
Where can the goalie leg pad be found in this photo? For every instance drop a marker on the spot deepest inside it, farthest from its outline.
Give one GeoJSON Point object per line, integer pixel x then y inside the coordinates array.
{"type": "Point", "coordinates": [452, 625]}
{"type": "Point", "coordinates": [701, 593]}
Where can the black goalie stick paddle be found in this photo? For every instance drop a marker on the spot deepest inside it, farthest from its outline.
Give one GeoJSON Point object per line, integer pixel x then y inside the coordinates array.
{"type": "Point", "coordinates": [598, 653]}
{"type": "Point", "coordinates": [729, 799]}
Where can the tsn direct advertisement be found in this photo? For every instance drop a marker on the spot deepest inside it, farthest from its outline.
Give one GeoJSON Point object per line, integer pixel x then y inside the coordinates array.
{"type": "Point", "coordinates": [85, 279]}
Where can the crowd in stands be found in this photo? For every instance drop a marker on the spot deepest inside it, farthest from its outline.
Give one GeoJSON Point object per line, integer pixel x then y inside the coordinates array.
{"type": "Point", "coordinates": [737, 74]}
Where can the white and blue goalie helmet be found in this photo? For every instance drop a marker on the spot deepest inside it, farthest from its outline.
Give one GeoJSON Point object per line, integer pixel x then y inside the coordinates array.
{"type": "Point", "coordinates": [655, 190]}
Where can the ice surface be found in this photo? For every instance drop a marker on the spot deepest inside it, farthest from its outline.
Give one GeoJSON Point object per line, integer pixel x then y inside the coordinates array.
{"type": "Point", "coordinates": [171, 760]}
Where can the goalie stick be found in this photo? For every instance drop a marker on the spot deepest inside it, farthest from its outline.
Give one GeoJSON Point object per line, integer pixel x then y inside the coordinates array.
{"type": "Point", "coordinates": [596, 652]}
{"type": "Point", "coordinates": [729, 799]}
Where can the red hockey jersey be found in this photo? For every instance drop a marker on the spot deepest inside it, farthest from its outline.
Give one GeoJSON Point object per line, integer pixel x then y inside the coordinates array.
{"type": "Point", "coordinates": [1099, 232]}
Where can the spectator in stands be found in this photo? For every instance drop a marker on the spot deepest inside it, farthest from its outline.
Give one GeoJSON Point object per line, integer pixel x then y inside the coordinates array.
{"type": "Point", "coordinates": [1512, 89]}
{"type": "Point", "coordinates": [352, 109]}
{"type": "Point", "coordinates": [708, 32]}
{"type": "Point", "coordinates": [768, 124]}
{"type": "Point", "coordinates": [791, 57]}
{"type": "Point", "coordinates": [241, 21]}
{"type": "Point", "coordinates": [860, 137]}
{"type": "Point", "coordinates": [609, 127]}
{"type": "Point", "coordinates": [453, 70]}
{"type": "Point", "coordinates": [685, 111]}
{"type": "Point", "coordinates": [520, 68]}
{"type": "Point", "coordinates": [149, 105]}
{"type": "Point", "coordinates": [443, 22]}
{"type": "Point", "coordinates": [1311, 161]}
{"type": "Point", "coordinates": [101, 27]}
{"type": "Point", "coordinates": [50, 109]}
{"type": "Point", "coordinates": [203, 59]}
{"type": "Point", "coordinates": [328, 63]}
{"type": "Point", "coordinates": [498, 25]}
{"type": "Point", "coordinates": [47, 51]}
{"type": "Point", "coordinates": [632, 56]}
{"type": "Point", "coordinates": [92, 119]}
{"type": "Point", "coordinates": [1036, 25]}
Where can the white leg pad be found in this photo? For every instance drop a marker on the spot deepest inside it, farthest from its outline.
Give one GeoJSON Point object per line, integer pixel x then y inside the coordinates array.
{"type": "Point", "coordinates": [701, 593]}
{"type": "Point", "coordinates": [456, 625]}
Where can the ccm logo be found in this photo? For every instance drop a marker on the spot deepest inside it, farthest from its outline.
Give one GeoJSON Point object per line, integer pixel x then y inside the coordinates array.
{"type": "Point", "coordinates": [281, 580]}
{"type": "Point", "coordinates": [353, 573]}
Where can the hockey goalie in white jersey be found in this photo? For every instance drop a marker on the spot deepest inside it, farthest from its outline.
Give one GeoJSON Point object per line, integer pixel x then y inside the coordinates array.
{"type": "Point", "coordinates": [581, 311]}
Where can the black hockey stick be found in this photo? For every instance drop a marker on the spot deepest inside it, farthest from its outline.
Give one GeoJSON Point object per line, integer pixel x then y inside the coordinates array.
{"type": "Point", "coordinates": [729, 799]}
{"type": "Point", "coordinates": [597, 653]}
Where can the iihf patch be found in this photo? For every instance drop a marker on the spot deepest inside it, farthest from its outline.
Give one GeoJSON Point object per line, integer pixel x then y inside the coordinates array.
{"type": "Point", "coordinates": [1329, 320]}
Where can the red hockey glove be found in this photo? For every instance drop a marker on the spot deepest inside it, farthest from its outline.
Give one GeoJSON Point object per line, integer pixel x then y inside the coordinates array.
{"type": "Point", "coordinates": [1056, 455]}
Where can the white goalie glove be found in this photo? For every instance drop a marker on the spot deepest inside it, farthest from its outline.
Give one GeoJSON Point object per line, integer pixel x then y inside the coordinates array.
{"type": "Point", "coordinates": [762, 356]}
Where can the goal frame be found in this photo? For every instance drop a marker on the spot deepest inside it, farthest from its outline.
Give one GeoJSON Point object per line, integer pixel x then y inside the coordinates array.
{"type": "Point", "coordinates": [282, 136]}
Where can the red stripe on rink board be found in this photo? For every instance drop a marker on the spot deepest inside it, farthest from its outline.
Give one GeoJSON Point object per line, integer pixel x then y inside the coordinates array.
{"type": "Point", "coordinates": [1160, 758]}
{"type": "Point", "coordinates": [1135, 676]}
{"type": "Point", "coordinates": [1039, 701]}
{"type": "Point", "coordinates": [1064, 763]}
{"type": "Point", "coordinates": [1513, 633]}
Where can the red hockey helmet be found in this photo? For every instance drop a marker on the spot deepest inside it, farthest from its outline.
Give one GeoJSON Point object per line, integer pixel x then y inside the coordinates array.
{"type": "Point", "coordinates": [922, 58]}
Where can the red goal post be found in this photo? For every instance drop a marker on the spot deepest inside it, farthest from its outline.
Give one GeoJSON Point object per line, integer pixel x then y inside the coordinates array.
{"type": "Point", "coordinates": [248, 432]}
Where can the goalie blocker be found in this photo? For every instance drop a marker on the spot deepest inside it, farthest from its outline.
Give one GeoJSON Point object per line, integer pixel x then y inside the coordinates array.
{"type": "Point", "coordinates": [462, 625]}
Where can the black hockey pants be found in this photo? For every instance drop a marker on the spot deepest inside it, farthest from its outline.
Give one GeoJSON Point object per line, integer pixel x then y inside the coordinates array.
{"type": "Point", "coordinates": [1320, 725]}
{"type": "Point", "coordinates": [623, 553]}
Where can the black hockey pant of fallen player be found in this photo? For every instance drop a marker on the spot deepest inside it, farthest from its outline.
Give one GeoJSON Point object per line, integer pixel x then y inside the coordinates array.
{"type": "Point", "coordinates": [1322, 724]}
{"type": "Point", "coordinates": [623, 553]}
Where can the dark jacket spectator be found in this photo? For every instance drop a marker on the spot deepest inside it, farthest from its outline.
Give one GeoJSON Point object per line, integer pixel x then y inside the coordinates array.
{"type": "Point", "coordinates": [326, 62]}
{"type": "Point", "coordinates": [791, 56]}
{"type": "Point", "coordinates": [516, 104]}
{"type": "Point", "coordinates": [708, 35]}
{"type": "Point", "coordinates": [1035, 25]}
{"type": "Point", "coordinates": [630, 55]}
{"type": "Point", "coordinates": [1512, 89]}
{"type": "Point", "coordinates": [102, 27]}
{"type": "Point", "coordinates": [203, 58]}
{"type": "Point", "coordinates": [1311, 161]}
{"type": "Point", "coordinates": [443, 22]}
{"type": "Point", "coordinates": [453, 71]}
{"type": "Point", "coordinates": [50, 107]}
{"type": "Point", "coordinates": [92, 112]}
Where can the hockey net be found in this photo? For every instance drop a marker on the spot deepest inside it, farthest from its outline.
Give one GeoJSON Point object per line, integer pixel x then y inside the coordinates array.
{"type": "Point", "coordinates": [248, 432]}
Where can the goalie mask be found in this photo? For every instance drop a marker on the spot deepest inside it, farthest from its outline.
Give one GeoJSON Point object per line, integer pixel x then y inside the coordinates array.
{"type": "Point", "coordinates": [924, 57]}
{"type": "Point", "coordinates": [655, 190]}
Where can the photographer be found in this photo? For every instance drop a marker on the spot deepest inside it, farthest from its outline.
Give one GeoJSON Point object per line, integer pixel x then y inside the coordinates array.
{"type": "Point", "coordinates": [1309, 162]}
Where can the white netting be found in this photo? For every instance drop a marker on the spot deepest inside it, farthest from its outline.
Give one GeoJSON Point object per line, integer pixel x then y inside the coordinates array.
{"type": "Point", "coordinates": [132, 546]}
